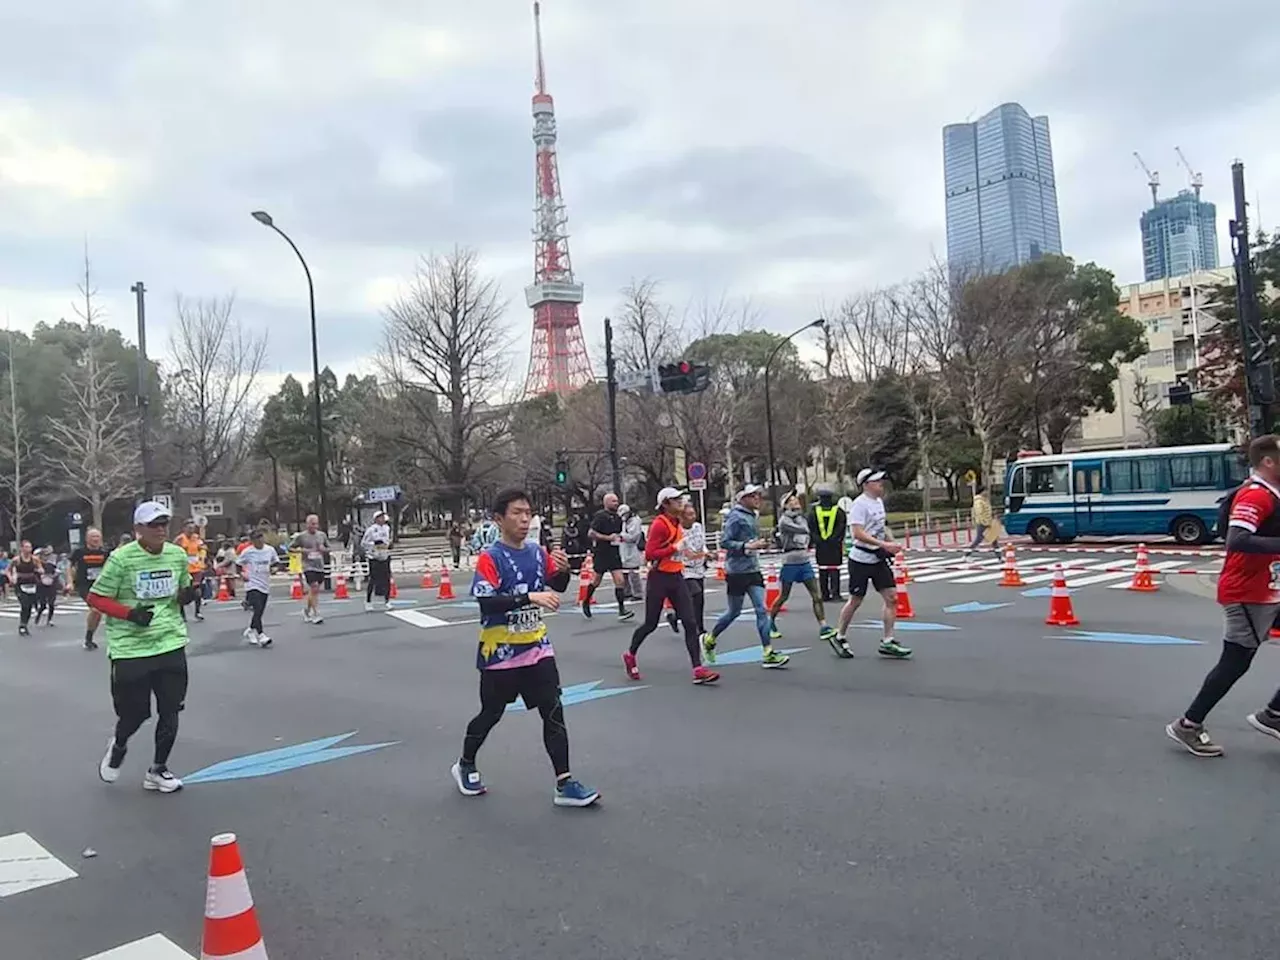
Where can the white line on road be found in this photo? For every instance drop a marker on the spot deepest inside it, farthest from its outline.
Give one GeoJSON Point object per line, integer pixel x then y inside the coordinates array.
{"type": "Point", "coordinates": [154, 947]}
{"type": "Point", "coordinates": [416, 619]}
{"type": "Point", "coordinates": [25, 865]}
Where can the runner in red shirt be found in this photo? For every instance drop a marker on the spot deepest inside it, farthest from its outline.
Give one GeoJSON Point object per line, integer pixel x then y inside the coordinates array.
{"type": "Point", "coordinates": [1249, 599]}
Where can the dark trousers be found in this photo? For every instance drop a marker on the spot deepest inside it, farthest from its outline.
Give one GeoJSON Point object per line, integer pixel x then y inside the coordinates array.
{"type": "Point", "coordinates": [25, 603]}
{"type": "Point", "coordinates": [379, 580]}
{"type": "Point", "coordinates": [134, 682]}
{"type": "Point", "coordinates": [538, 686]}
{"type": "Point", "coordinates": [662, 587]}
{"type": "Point", "coordinates": [257, 601]}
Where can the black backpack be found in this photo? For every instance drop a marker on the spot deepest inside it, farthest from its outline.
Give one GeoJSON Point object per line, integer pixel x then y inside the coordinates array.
{"type": "Point", "coordinates": [1224, 510]}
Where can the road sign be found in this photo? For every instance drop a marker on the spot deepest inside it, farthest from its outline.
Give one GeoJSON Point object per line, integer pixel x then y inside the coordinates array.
{"type": "Point", "coordinates": [383, 494]}
{"type": "Point", "coordinates": [698, 471]}
{"type": "Point", "coordinates": [164, 500]}
{"type": "Point", "coordinates": [698, 485]}
{"type": "Point", "coordinates": [206, 506]}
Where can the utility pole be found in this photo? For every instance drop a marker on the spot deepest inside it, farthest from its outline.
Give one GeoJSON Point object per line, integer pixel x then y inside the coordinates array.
{"type": "Point", "coordinates": [611, 383]}
{"type": "Point", "coordinates": [144, 397]}
{"type": "Point", "coordinates": [1259, 373]}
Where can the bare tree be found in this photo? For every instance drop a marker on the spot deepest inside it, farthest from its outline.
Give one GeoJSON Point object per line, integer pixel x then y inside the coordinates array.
{"type": "Point", "coordinates": [445, 352]}
{"type": "Point", "coordinates": [646, 330]}
{"type": "Point", "coordinates": [25, 478]}
{"type": "Point", "coordinates": [216, 365]}
{"type": "Point", "coordinates": [94, 443]}
{"type": "Point", "coordinates": [872, 335]}
{"type": "Point", "coordinates": [1146, 400]}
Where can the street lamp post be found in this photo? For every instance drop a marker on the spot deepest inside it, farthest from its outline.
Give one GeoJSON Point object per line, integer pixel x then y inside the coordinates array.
{"type": "Point", "coordinates": [264, 218]}
{"type": "Point", "coordinates": [768, 410]}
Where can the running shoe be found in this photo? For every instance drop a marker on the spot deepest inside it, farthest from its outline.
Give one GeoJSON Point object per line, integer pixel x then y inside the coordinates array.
{"type": "Point", "coordinates": [90, 643]}
{"type": "Point", "coordinates": [368, 607]}
{"type": "Point", "coordinates": [317, 618]}
{"type": "Point", "coordinates": [109, 768]}
{"type": "Point", "coordinates": [250, 636]}
{"type": "Point", "coordinates": [263, 640]}
{"type": "Point", "coordinates": [200, 616]}
{"type": "Point", "coordinates": [702, 675]}
{"type": "Point", "coordinates": [306, 614]}
{"type": "Point", "coordinates": [160, 779]}
{"type": "Point", "coordinates": [892, 649]}
{"type": "Point", "coordinates": [571, 793]}
{"type": "Point", "coordinates": [23, 631]}
{"type": "Point", "coordinates": [1195, 740]}
{"type": "Point", "coordinates": [626, 615]}
{"type": "Point", "coordinates": [629, 663]}
{"type": "Point", "coordinates": [775, 633]}
{"type": "Point", "coordinates": [585, 607]}
{"type": "Point", "coordinates": [709, 647]}
{"type": "Point", "coordinates": [826, 633]}
{"type": "Point", "coordinates": [467, 777]}
{"type": "Point", "coordinates": [840, 646]}
{"type": "Point", "coordinates": [772, 659]}
{"type": "Point", "coordinates": [1264, 722]}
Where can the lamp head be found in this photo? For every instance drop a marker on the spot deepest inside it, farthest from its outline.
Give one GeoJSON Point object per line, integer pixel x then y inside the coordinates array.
{"type": "Point", "coordinates": [262, 217]}
{"type": "Point", "coordinates": [820, 322]}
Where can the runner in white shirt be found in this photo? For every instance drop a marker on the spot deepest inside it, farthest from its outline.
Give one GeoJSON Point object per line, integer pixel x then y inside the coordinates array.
{"type": "Point", "coordinates": [256, 562]}
{"type": "Point", "coordinates": [377, 550]}
{"type": "Point", "coordinates": [869, 559]}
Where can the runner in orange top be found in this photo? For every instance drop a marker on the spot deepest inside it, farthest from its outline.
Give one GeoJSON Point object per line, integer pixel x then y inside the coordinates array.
{"type": "Point", "coordinates": [197, 553]}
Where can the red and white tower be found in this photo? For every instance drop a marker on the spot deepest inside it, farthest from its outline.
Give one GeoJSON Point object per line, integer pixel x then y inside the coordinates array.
{"type": "Point", "coordinates": [558, 362]}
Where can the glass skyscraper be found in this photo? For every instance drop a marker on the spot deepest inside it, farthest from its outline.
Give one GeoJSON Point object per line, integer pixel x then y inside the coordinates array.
{"type": "Point", "coordinates": [1179, 236]}
{"type": "Point", "coordinates": [1002, 199]}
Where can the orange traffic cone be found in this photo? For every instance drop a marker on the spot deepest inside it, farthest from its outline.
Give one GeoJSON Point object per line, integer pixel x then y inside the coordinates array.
{"type": "Point", "coordinates": [772, 591]}
{"type": "Point", "coordinates": [1060, 612]}
{"type": "Point", "coordinates": [1142, 582]}
{"type": "Point", "coordinates": [1011, 578]}
{"type": "Point", "coordinates": [902, 608]}
{"type": "Point", "coordinates": [230, 922]}
{"type": "Point", "coordinates": [296, 592]}
{"type": "Point", "coordinates": [428, 581]}
{"type": "Point", "coordinates": [340, 591]}
{"type": "Point", "coordinates": [224, 592]}
{"type": "Point", "coordinates": [446, 588]}
{"type": "Point", "coordinates": [900, 565]}
{"type": "Point", "coordinates": [584, 582]}
{"type": "Point", "coordinates": [720, 565]}
{"type": "Point", "coordinates": [392, 592]}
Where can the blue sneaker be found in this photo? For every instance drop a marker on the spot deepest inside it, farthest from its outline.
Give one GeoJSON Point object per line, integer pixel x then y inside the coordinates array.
{"type": "Point", "coordinates": [467, 777]}
{"type": "Point", "coordinates": [571, 793]}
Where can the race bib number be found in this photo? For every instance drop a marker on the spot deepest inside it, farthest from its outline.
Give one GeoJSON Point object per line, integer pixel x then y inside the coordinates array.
{"type": "Point", "coordinates": [92, 574]}
{"type": "Point", "coordinates": [155, 585]}
{"type": "Point", "coordinates": [47, 581]}
{"type": "Point", "coordinates": [315, 555]}
{"type": "Point", "coordinates": [524, 620]}
{"type": "Point", "coordinates": [27, 587]}
{"type": "Point", "coordinates": [1275, 576]}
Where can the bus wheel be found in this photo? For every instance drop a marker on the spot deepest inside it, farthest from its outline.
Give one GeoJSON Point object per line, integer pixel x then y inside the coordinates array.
{"type": "Point", "coordinates": [1043, 531]}
{"type": "Point", "coordinates": [1189, 531]}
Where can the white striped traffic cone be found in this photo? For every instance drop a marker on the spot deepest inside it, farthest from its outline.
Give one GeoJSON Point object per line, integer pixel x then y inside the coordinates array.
{"type": "Point", "coordinates": [230, 923]}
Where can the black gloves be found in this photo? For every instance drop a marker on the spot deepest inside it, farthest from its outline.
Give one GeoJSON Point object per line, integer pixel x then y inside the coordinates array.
{"type": "Point", "coordinates": [141, 616]}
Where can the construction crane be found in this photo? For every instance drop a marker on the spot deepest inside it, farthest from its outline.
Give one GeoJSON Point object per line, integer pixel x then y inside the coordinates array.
{"type": "Point", "coordinates": [1153, 178]}
{"type": "Point", "coordinates": [1197, 179]}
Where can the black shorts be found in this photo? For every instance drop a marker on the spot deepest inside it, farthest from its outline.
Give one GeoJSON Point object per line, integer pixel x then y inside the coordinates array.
{"type": "Point", "coordinates": [606, 561]}
{"type": "Point", "coordinates": [736, 584]}
{"type": "Point", "coordinates": [879, 575]}
{"type": "Point", "coordinates": [536, 685]}
{"type": "Point", "coordinates": [313, 576]}
{"type": "Point", "coordinates": [134, 681]}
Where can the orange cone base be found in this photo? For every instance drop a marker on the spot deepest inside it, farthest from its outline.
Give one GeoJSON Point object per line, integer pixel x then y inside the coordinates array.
{"type": "Point", "coordinates": [295, 593]}
{"type": "Point", "coordinates": [1142, 582]}
{"type": "Point", "coordinates": [428, 581]}
{"type": "Point", "coordinates": [340, 591]}
{"type": "Point", "coordinates": [1069, 620]}
{"type": "Point", "coordinates": [1012, 578]}
{"type": "Point", "coordinates": [903, 609]}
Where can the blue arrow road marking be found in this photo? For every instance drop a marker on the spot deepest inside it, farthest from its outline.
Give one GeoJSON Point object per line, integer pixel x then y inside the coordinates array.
{"type": "Point", "coordinates": [286, 758]}
{"type": "Point", "coordinates": [975, 606]}
{"type": "Point", "coordinates": [1148, 639]}
{"type": "Point", "coordinates": [906, 626]}
{"type": "Point", "coordinates": [581, 693]}
{"type": "Point", "coordinates": [749, 655]}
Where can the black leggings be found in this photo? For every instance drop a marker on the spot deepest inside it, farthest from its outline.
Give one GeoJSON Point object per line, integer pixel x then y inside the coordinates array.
{"type": "Point", "coordinates": [257, 601]}
{"type": "Point", "coordinates": [698, 596]}
{"type": "Point", "coordinates": [669, 586]}
{"type": "Point", "coordinates": [46, 598]}
{"type": "Point", "coordinates": [1231, 666]}
{"type": "Point", "coordinates": [379, 580]}
{"type": "Point", "coordinates": [25, 602]}
{"type": "Point", "coordinates": [494, 697]}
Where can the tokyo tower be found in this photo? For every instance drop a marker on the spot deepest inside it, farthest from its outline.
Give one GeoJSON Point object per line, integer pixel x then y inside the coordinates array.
{"type": "Point", "coordinates": [558, 361]}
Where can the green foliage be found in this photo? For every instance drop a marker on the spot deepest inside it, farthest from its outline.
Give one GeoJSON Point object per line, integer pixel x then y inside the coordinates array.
{"type": "Point", "coordinates": [1195, 422]}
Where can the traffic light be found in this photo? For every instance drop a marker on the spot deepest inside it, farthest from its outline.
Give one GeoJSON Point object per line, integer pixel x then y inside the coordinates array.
{"type": "Point", "coordinates": [562, 473]}
{"type": "Point", "coordinates": [684, 377]}
{"type": "Point", "coordinates": [1179, 394]}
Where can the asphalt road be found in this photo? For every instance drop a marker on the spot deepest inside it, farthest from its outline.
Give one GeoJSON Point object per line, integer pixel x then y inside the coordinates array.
{"type": "Point", "coordinates": [1008, 793]}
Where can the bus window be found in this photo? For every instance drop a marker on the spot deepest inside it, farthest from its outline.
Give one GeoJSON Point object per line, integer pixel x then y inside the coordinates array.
{"type": "Point", "coordinates": [1049, 478]}
{"type": "Point", "coordinates": [1140, 475]}
{"type": "Point", "coordinates": [1237, 470]}
{"type": "Point", "coordinates": [1120, 476]}
{"type": "Point", "coordinates": [1151, 474]}
{"type": "Point", "coordinates": [1192, 471]}
{"type": "Point", "coordinates": [1018, 485]}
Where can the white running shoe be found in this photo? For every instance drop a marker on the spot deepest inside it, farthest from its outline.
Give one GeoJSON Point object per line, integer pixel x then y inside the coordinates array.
{"type": "Point", "coordinates": [106, 772]}
{"type": "Point", "coordinates": [368, 607]}
{"type": "Point", "coordinates": [250, 636]}
{"type": "Point", "coordinates": [264, 640]}
{"type": "Point", "coordinates": [316, 618]}
{"type": "Point", "coordinates": [161, 780]}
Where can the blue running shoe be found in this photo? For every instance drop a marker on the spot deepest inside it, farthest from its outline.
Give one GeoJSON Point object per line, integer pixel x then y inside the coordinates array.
{"type": "Point", "coordinates": [467, 777]}
{"type": "Point", "coordinates": [571, 793]}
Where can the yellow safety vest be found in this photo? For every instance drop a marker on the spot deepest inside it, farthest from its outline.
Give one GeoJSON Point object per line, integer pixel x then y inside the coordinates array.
{"type": "Point", "coordinates": [826, 521]}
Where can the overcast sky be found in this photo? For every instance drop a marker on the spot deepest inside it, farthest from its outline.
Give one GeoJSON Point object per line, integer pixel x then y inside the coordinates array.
{"type": "Point", "coordinates": [788, 152]}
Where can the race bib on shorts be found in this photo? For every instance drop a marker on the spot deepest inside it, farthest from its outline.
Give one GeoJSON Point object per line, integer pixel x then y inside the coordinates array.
{"type": "Point", "coordinates": [27, 587]}
{"type": "Point", "coordinates": [524, 620]}
{"type": "Point", "coordinates": [155, 584]}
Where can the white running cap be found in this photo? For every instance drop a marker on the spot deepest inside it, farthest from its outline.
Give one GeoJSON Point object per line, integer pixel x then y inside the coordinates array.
{"type": "Point", "coordinates": [668, 493]}
{"type": "Point", "coordinates": [870, 475]}
{"type": "Point", "coordinates": [149, 512]}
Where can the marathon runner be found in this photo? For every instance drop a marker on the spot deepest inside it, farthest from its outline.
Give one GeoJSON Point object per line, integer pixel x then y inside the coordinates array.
{"type": "Point", "coordinates": [377, 547]}
{"type": "Point", "coordinates": [793, 531]}
{"type": "Point", "coordinates": [604, 534]}
{"type": "Point", "coordinates": [1248, 596]}
{"type": "Point", "coordinates": [142, 589]}
{"type": "Point", "coordinates": [194, 547]}
{"type": "Point", "coordinates": [694, 557]}
{"type": "Point", "coordinates": [869, 564]}
{"type": "Point", "coordinates": [24, 574]}
{"type": "Point", "coordinates": [47, 589]}
{"type": "Point", "coordinates": [664, 552]}
{"type": "Point", "coordinates": [742, 544]}
{"type": "Point", "coordinates": [86, 565]}
{"type": "Point", "coordinates": [257, 562]}
{"type": "Point", "coordinates": [314, 544]}
{"type": "Point", "coordinates": [514, 582]}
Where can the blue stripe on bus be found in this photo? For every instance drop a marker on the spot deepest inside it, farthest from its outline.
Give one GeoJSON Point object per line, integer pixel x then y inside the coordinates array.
{"type": "Point", "coordinates": [1109, 502]}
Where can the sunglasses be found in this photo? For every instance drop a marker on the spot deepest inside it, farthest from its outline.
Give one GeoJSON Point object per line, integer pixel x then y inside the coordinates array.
{"type": "Point", "coordinates": [157, 524]}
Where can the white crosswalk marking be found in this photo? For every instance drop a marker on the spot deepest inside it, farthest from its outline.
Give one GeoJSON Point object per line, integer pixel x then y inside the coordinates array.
{"type": "Point", "coordinates": [416, 619]}
{"type": "Point", "coordinates": [955, 569]}
{"type": "Point", "coordinates": [25, 865]}
{"type": "Point", "coordinates": [155, 947]}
